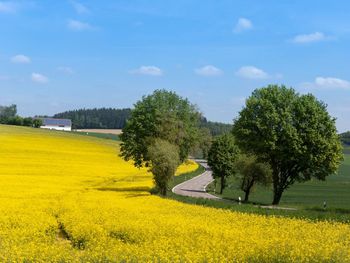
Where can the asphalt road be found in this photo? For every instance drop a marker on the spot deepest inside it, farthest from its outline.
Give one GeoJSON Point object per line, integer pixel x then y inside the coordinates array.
{"type": "Point", "coordinates": [196, 186]}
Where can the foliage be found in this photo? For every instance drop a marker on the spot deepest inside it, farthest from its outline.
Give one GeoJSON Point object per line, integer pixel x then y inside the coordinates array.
{"type": "Point", "coordinates": [164, 159]}
{"type": "Point", "coordinates": [221, 158]}
{"type": "Point", "coordinates": [251, 172]}
{"type": "Point", "coordinates": [103, 118]}
{"type": "Point", "coordinates": [80, 202]}
{"type": "Point", "coordinates": [8, 115]}
{"type": "Point", "coordinates": [215, 128]}
{"type": "Point", "coordinates": [7, 112]}
{"type": "Point", "coordinates": [163, 115]}
{"type": "Point", "coordinates": [293, 133]}
{"type": "Point", "coordinates": [201, 149]}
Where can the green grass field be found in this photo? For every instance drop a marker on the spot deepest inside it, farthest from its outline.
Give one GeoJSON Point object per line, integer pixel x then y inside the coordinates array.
{"type": "Point", "coordinates": [109, 136]}
{"type": "Point", "coordinates": [306, 197]}
{"type": "Point", "coordinates": [335, 191]}
{"type": "Point", "coordinates": [346, 149]}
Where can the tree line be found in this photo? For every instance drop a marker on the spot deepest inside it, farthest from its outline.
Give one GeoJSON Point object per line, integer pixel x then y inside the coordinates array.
{"type": "Point", "coordinates": [112, 118]}
{"type": "Point", "coordinates": [345, 138]}
{"type": "Point", "coordinates": [280, 137]}
{"type": "Point", "coordinates": [8, 115]}
{"type": "Point", "coordinates": [215, 128]}
{"type": "Point", "coordinates": [102, 118]}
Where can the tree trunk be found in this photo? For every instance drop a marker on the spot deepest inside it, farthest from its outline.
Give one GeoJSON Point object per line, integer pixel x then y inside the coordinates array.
{"type": "Point", "coordinates": [222, 184]}
{"type": "Point", "coordinates": [246, 196]}
{"type": "Point", "coordinates": [277, 197]}
{"type": "Point", "coordinates": [277, 188]}
{"type": "Point", "coordinates": [163, 191]}
{"type": "Point", "coordinates": [247, 189]}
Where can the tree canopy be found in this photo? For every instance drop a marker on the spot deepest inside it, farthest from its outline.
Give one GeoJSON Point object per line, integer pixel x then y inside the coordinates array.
{"type": "Point", "coordinates": [293, 133]}
{"type": "Point", "coordinates": [222, 156]}
{"type": "Point", "coordinates": [163, 115]}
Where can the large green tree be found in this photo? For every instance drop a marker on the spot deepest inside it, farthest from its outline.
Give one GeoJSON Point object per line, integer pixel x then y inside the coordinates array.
{"type": "Point", "coordinates": [164, 158]}
{"type": "Point", "coordinates": [163, 115]}
{"type": "Point", "coordinates": [293, 133]}
{"type": "Point", "coordinates": [222, 156]}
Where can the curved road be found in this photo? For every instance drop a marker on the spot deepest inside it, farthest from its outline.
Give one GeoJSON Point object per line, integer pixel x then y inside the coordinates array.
{"type": "Point", "coordinates": [196, 186]}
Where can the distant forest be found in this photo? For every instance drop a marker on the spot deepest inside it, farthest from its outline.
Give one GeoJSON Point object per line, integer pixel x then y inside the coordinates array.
{"type": "Point", "coordinates": [345, 137]}
{"type": "Point", "coordinates": [109, 118]}
{"type": "Point", "coordinates": [215, 128]}
{"type": "Point", "coordinates": [104, 118]}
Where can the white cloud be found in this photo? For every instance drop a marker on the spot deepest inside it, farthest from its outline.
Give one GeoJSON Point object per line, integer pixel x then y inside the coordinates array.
{"type": "Point", "coordinates": [78, 25]}
{"type": "Point", "coordinates": [20, 59]}
{"type": "Point", "coordinates": [243, 24]}
{"type": "Point", "coordinates": [250, 72]}
{"type": "Point", "coordinates": [8, 7]}
{"type": "Point", "coordinates": [309, 38]}
{"type": "Point", "coordinates": [208, 71]}
{"type": "Point", "coordinates": [327, 83]}
{"type": "Point", "coordinates": [148, 70]}
{"type": "Point", "coordinates": [39, 78]}
{"type": "Point", "coordinates": [80, 8]}
{"type": "Point", "coordinates": [66, 70]}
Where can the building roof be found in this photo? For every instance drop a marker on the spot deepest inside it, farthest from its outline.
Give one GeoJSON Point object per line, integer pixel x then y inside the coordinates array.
{"type": "Point", "coordinates": [56, 122]}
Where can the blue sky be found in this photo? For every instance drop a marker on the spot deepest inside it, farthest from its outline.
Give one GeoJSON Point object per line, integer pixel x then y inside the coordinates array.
{"type": "Point", "coordinates": [61, 55]}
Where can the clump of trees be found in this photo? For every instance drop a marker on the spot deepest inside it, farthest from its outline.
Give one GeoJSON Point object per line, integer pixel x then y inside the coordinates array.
{"type": "Point", "coordinates": [293, 133]}
{"type": "Point", "coordinates": [280, 137]}
{"type": "Point", "coordinates": [8, 115]}
{"type": "Point", "coordinates": [160, 120]}
{"type": "Point", "coordinates": [283, 137]}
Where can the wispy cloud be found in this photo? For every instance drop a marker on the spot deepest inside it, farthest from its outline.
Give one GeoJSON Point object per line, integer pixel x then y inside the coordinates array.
{"type": "Point", "coordinates": [243, 24]}
{"type": "Point", "coordinates": [66, 70]}
{"type": "Point", "coordinates": [251, 72]}
{"type": "Point", "coordinates": [20, 59]}
{"type": "Point", "coordinates": [80, 8]}
{"type": "Point", "coordinates": [79, 26]}
{"type": "Point", "coordinates": [8, 7]}
{"type": "Point", "coordinates": [309, 38]}
{"type": "Point", "coordinates": [39, 78]}
{"type": "Point", "coordinates": [327, 83]}
{"type": "Point", "coordinates": [148, 70]}
{"type": "Point", "coordinates": [208, 71]}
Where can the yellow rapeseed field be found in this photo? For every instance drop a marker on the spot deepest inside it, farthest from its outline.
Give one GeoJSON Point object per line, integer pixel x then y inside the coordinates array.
{"type": "Point", "coordinates": [70, 198]}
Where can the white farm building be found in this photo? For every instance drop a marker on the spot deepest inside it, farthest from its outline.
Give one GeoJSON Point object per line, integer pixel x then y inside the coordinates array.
{"type": "Point", "coordinates": [56, 124]}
